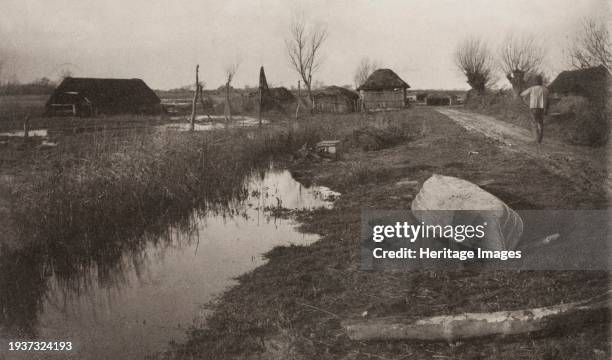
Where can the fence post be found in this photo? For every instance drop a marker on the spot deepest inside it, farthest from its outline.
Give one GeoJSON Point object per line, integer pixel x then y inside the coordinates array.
{"type": "Point", "coordinates": [26, 128]}
{"type": "Point", "coordinates": [299, 98]}
{"type": "Point", "coordinates": [195, 99]}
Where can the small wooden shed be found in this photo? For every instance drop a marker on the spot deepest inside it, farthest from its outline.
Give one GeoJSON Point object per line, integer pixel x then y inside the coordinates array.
{"type": "Point", "coordinates": [335, 99]}
{"type": "Point", "coordinates": [384, 89]}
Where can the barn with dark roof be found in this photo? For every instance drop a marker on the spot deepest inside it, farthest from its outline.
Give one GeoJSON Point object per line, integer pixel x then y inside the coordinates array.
{"type": "Point", "coordinates": [384, 89]}
{"type": "Point", "coordinates": [592, 83]}
{"type": "Point", "coordinates": [91, 96]}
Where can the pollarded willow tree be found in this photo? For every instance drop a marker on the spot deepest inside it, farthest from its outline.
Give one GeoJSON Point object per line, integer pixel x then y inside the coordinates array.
{"type": "Point", "coordinates": [303, 47]}
{"type": "Point", "coordinates": [519, 58]}
{"type": "Point", "coordinates": [474, 59]}
{"type": "Point", "coordinates": [591, 46]}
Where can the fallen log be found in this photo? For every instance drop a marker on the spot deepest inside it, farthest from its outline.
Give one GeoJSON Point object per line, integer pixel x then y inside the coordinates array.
{"type": "Point", "coordinates": [471, 325]}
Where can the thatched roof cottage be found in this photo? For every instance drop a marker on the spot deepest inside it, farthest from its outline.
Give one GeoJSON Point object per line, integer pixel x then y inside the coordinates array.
{"type": "Point", "coordinates": [335, 99]}
{"type": "Point", "coordinates": [383, 90]}
{"type": "Point", "coordinates": [90, 96]}
{"type": "Point", "coordinates": [592, 83]}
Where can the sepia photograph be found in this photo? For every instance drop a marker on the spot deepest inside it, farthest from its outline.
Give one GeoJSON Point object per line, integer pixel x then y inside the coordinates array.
{"type": "Point", "coordinates": [305, 179]}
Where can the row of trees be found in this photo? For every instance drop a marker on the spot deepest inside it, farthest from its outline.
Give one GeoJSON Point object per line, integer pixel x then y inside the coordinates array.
{"type": "Point", "coordinates": [42, 86]}
{"type": "Point", "coordinates": [521, 57]}
{"type": "Point", "coordinates": [517, 57]}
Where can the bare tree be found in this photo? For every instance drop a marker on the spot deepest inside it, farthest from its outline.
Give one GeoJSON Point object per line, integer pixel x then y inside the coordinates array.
{"type": "Point", "coordinates": [520, 57]}
{"type": "Point", "coordinates": [65, 73]}
{"type": "Point", "coordinates": [475, 61]}
{"type": "Point", "coordinates": [365, 68]}
{"type": "Point", "coordinates": [303, 47]}
{"type": "Point", "coordinates": [591, 46]}
{"type": "Point", "coordinates": [230, 72]}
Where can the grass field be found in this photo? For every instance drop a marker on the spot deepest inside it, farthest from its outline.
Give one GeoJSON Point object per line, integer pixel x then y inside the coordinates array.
{"type": "Point", "coordinates": [290, 307]}
{"type": "Point", "coordinates": [123, 184]}
{"type": "Point", "coordinates": [14, 108]}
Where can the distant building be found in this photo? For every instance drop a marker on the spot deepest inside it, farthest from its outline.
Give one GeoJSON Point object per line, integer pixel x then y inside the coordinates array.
{"type": "Point", "coordinates": [421, 97]}
{"type": "Point", "coordinates": [335, 99]}
{"type": "Point", "coordinates": [383, 90]}
{"type": "Point", "coordinates": [441, 99]}
{"type": "Point", "coordinates": [592, 83]}
{"type": "Point", "coordinates": [90, 96]}
{"type": "Point", "coordinates": [411, 96]}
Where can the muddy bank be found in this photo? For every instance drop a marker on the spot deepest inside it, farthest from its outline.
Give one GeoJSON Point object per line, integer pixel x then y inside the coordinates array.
{"type": "Point", "coordinates": [291, 307]}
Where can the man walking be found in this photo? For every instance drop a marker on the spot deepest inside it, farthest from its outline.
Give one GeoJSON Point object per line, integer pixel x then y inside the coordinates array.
{"type": "Point", "coordinates": [538, 105]}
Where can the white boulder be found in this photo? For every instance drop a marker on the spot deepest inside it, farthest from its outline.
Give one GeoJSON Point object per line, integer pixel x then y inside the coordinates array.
{"type": "Point", "coordinates": [446, 200]}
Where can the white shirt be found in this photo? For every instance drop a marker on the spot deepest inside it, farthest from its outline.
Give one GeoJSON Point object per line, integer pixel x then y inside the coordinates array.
{"type": "Point", "coordinates": [538, 96]}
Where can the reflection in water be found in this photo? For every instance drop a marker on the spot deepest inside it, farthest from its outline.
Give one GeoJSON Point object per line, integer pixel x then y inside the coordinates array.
{"type": "Point", "coordinates": [212, 122]}
{"type": "Point", "coordinates": [124, 299]}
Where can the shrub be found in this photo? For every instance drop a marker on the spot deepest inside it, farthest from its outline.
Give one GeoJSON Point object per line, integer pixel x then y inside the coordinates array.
{"type": "Point", "coordinates": [586, 123]}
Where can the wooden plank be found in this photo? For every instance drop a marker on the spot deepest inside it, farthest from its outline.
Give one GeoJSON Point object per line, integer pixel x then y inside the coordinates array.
{"type": "Point", "coordinates": [471, 325]}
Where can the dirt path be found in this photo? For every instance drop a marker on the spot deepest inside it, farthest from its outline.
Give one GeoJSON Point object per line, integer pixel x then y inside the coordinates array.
{"type": "Point", "coordinates": [584, 167]}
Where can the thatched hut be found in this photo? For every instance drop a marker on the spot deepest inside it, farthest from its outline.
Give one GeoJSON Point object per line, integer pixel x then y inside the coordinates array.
{"type": "Point", "coordinates": [335, 99]}
{"type": "Point", "coordinates": [273, 99]}
{"type": "Point", "coordinates": [282, 95]}
{"type": "Point", "coordinates": [592, 83]}
{"type": "Point", "coordinates": [90, 96]}
{"type": "Point", "coordinates": [383, 90]}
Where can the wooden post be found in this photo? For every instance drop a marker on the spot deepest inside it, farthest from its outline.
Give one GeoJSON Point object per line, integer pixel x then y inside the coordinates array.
{"type": "Point", "coordinates": [299, 97]}
{"type": "Point", "coordinates": [310, 97]}
{"type": "Point", "coordinates": [260, 105]}
{"type": "Point", "coordinates": [228, 110]}
{"type": "Point", "coordinates": [26, 128]}
{"type": "Point", "coordinates": [195, 99]}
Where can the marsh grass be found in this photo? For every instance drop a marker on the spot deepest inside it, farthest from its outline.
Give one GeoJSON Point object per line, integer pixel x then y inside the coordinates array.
{"type": "Point", "coordinates": [127, 182]}
{"type": "Point", "coordinates": [87, 209]}
{"type": "Point", "coordinates": [116, 184]}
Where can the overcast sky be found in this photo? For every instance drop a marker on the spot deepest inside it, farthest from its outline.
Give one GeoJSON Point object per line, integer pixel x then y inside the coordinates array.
{"type": "Point", "coordinates": [161, 41]}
